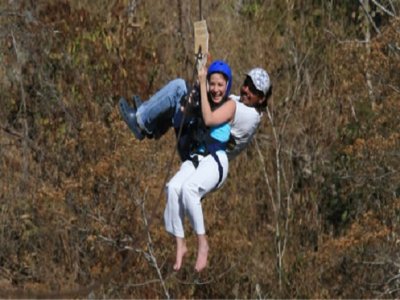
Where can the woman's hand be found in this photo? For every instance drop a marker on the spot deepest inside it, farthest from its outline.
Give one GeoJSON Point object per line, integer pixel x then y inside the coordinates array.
{"type": "Point", "coordinates": [222, 114]}
{"type": "Point", "coordinates": [202, 75]}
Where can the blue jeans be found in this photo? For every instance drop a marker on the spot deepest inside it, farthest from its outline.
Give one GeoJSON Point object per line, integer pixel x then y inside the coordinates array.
{"type": "Point", "coordinates": [156, 115]}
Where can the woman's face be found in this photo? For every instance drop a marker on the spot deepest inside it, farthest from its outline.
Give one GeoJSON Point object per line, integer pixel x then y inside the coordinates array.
{"type": "Point", "coordinates": [217, 87]}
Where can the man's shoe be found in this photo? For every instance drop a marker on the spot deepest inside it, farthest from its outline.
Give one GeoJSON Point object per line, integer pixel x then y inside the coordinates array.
{"type": "Point", "coordinates": [129, 116]}
{"type": "Point", "coordinates": [136, 99]}
{"type": "Point", "coordinates": [138, 102]}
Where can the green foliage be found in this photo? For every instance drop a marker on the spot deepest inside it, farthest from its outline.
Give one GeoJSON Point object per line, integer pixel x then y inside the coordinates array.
{"type": "Point", "coordinates": [251, 8]}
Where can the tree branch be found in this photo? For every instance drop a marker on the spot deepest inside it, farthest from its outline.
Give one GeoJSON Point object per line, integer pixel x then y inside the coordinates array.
{"type": "Point", "coordinates": [384, 9]}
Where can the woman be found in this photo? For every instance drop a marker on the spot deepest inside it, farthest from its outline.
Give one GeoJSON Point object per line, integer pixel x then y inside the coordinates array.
{"type": "Point", "coordinates": [206, 165]}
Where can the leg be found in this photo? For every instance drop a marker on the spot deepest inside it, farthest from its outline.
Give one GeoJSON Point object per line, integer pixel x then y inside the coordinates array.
{"type": "Point", "coordinates": [202, 252]}
{"type": "Point", "coordinates": [164, 104]}
{"type": "Point", "coordinates": [175, 212]}
{"type": "Point", "coordinates": [181, 250]}
{"type": "Point", "coordinates": [201, 182]}
{"type": "Point", "coordinates": [137, 100]}
{"type": "Point", "coordinates": [129, 116]}
{"type": "Point", "coordinates": [154, 117]}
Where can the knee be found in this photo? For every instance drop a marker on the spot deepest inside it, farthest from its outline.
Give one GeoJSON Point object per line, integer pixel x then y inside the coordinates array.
{"type": "Point", "coordinates": [180, 86]}
{"type": "Point", "coordinates": [173, 188]}
{"type": "Point", "coordinates": [190, 193]}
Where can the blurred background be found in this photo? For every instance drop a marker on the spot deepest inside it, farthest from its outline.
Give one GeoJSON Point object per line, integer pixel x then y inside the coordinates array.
{"type": "Point", "coordinates": [309, 210]}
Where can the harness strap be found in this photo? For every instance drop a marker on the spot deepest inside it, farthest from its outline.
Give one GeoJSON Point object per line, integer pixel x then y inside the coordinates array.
{"type": "Point", "coordinates": [212, 149]}
{"type": "Point", "coordinates": [195, 161]}
{"type": "Point", "coordinates": [220, 169]}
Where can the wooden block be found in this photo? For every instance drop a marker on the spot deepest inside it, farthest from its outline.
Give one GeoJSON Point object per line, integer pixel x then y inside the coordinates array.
{"type": "Point", "coordinates": [201, 40]}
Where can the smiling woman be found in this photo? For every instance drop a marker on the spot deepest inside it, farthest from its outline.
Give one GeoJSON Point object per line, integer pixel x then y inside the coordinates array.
{"type": "Point", "coordinates": [206, 165]}
{"type": "Point", "coordinates": [217, 87]}
{"type": "Point", "coordinates": [213, 107]}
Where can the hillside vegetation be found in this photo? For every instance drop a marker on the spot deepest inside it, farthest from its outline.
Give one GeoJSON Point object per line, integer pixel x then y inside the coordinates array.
{"type": "Point", "coordinates": [310, 210]}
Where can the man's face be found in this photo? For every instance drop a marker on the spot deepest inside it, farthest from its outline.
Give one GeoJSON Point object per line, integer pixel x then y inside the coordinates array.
{"type": "Point", "coordinates": [249, 95]}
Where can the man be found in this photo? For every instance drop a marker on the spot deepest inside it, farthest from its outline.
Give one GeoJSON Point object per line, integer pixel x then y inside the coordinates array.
{"type": "Point", "coordinates": [155, 116]}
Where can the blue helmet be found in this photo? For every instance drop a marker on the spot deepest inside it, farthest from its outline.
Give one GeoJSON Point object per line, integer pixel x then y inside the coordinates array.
{"type": "Point", "coordinates": [219, 66]}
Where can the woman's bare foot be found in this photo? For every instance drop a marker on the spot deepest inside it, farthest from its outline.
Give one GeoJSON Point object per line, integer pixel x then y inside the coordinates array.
{"type": "Point", "coordinates": [202, 253]}
{"type": "Point", "coordinates": [181, 250]}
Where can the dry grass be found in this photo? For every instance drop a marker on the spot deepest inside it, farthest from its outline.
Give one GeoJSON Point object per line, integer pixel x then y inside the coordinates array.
{"type": "Point", "coordinates": [309, 210]}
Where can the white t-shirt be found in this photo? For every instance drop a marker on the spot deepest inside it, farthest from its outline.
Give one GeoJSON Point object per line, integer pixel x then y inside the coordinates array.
{"type": "Point", "coordinates": [244, 126]}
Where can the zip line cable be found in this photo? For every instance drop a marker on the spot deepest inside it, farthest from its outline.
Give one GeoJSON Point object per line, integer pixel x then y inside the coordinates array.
{"type": "Point", "coordinates": [200, 11]}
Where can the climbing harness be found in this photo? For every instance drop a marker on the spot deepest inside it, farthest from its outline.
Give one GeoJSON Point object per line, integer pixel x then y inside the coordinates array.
{"type": "Point", "coordinates": [195, 138]}
{"type": "Point", "coordinates": [209, 146]}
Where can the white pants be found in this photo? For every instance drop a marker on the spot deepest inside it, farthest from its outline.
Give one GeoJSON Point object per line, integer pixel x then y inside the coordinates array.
{"type": "Point", "coordinates": [185, 190]}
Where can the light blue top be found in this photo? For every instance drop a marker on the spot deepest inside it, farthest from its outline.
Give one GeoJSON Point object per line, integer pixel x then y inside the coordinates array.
{"type": "Point", "coordinates": [221, 132]}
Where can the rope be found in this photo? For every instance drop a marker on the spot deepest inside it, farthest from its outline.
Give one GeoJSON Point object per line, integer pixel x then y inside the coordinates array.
{"type": "Point", "coordinates": [200, 11]}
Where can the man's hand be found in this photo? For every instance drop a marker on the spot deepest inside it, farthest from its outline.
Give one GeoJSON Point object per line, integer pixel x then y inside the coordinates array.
{"type": "Point", "coordinates": [191, 105]}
